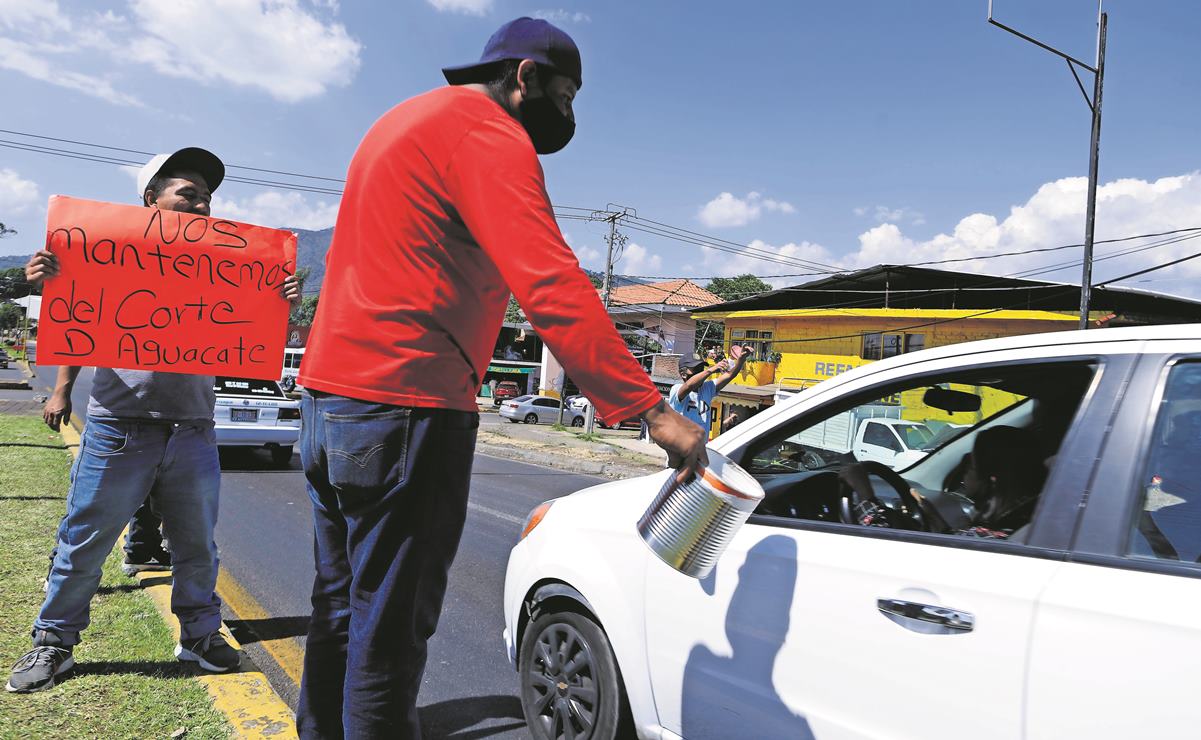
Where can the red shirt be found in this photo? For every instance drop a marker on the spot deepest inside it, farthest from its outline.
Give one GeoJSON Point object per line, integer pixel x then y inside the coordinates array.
{"type": "Point", "coordinates": [445, 212]}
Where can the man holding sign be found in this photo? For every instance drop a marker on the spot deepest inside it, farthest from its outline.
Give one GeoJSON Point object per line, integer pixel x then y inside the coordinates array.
{"type": "Point", "coordinates": [148, 433]}
{"type": "Point", "coordinates": [445, 212]}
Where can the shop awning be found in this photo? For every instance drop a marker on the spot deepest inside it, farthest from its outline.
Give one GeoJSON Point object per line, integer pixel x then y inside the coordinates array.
{"type": "Point", "coordinates": [513, 370]}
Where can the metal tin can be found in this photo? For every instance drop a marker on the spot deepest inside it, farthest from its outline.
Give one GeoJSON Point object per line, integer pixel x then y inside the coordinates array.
{"type": "Point", "coordinates": [689, 526]}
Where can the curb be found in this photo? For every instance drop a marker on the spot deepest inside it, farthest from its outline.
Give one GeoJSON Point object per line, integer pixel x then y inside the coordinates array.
{"type": "Point", "coordinates": [562, 462]}
{"type": "Point", "coordinates": [245, 697]}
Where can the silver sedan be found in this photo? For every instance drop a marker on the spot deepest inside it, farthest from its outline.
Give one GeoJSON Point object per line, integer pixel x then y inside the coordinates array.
{"type": "Point", "coordinates": [535, 409]}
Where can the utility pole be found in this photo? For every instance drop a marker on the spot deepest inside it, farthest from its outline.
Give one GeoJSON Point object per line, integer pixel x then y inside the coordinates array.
{"type": "Point", "coordinates": [1094, 104]}
{"type": "Point", "coordinates": [612, 216]}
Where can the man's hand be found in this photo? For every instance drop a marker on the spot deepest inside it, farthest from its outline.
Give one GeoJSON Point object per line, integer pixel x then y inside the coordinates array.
{"type": "Point", "coordinates": [683, 440]}
{"type": "Point", "coordinates": [57, 410]}
{"type": "Point", "coordinates": [740, 354]}
{"type": "Point", "coordinates": [41, 266]}
{"type": "Point", "coordinates": [289, 289]}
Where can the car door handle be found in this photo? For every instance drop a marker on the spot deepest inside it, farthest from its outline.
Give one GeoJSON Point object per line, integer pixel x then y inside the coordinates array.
{"type": "Point", "coordinates": [926, 619]}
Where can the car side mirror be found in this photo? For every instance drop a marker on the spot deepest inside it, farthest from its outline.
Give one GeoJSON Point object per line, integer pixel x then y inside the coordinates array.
{"type": "Point", "coordinates": [951, 401]}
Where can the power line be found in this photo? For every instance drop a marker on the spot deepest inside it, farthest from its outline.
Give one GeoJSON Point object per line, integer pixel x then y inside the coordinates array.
{"type": "Point", "coordinates": [105, 159]}
{"type": "Point", "coordinates": [151, 154]}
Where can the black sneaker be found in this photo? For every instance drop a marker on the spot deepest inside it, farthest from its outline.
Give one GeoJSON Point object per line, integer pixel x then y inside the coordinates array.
{"type": "Point", "coordinates": [212, 652]}
{"type": "Point", "coordinates": [159, 561]}
{"type": "Point", "coordinates": [37, 669]}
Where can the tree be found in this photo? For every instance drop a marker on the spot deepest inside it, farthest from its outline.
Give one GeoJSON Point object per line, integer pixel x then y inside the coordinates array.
{"type": "Point", "coordinates": [12, 283]}
{"type": "Point", "coordinates": [303, 314]}
{"type": "Point", "coordinates": [10, 315]}
{"type": "Point", "coordinates": [728, 289]}
{"type": "Point", "coordinates": [6, 231]}
{"type": "Point", "coordinates": [734, 288]}
{"type": "Point", "coordinates": [513, 312]}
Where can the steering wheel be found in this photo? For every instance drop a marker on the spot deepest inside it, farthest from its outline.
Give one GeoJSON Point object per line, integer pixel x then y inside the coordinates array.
{"type": "Point", "coordinates": [783, 502]}
{"type": "Point", "coordinates": [856, 496]}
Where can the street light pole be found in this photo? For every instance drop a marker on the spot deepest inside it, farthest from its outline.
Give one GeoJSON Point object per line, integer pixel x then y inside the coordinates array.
{"type": "Point", "coordinates": [1094, 153]}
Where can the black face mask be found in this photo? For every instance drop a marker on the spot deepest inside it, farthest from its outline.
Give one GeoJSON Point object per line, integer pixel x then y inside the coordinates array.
{"type": "Point", "coordinates": [549, 129]}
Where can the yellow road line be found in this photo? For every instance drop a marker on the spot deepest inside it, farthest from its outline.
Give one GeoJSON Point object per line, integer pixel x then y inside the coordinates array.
{"type": "Point", "coordinates": [246, 698]}
{"type": "Point", "coordinates": [284, 650]}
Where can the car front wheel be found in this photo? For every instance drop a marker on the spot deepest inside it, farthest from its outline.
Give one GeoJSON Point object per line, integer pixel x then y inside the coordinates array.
{"type": "Point", "coordinates": [570, 685]}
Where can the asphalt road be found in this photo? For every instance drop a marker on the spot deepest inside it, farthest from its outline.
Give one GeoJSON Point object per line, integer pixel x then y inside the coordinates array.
{"type": "Point", "coordinates": [265, 536]}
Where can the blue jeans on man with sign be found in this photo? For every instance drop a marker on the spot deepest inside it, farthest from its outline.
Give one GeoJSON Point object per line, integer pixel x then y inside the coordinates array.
{"type": "Point", "coordinates": [389, 488]}
{"type": "Point", "coordinates": [120, 463]}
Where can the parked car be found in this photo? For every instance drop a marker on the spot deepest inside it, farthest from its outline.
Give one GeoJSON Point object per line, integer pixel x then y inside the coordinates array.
{"type": "Point", "coordinates": [4, 359]}
{"type": "Point", "coordinates": [505, 390]}
{"type": "Point", "coordinates": [872, 432]}
{"type": "Point", "coordinates": [582, 404]}
{"type": "Point", "coordinates": [897, 606]}
{"type": "Point", "coordinates": [256, 413]}
{"type": "Point", "coordinates": [540, 409]}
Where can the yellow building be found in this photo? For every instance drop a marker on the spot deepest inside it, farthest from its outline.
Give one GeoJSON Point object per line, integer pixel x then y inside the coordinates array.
{"type": "Point", "coordinates": [812, 332]}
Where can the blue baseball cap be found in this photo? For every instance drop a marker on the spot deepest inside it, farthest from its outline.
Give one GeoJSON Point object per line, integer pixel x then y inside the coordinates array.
{"type": "Point", "coordinates": [523, 38]}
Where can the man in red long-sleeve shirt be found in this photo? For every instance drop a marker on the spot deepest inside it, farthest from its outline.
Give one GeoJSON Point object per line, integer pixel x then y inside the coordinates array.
{"type": "Point", "coordinates": [445, 212]}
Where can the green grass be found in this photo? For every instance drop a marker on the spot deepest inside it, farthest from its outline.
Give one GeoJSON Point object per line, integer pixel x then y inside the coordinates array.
{"type": "Point", "coordinates": [127, 683]}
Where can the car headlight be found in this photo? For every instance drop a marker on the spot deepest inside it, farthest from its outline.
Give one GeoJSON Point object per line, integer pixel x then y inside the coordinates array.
{"type": "Point", "coordinates": [535, 517]}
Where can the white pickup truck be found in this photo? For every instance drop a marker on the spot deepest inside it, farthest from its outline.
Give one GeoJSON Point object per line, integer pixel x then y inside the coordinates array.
{"type": "Point", "coordinates": [869, 433]}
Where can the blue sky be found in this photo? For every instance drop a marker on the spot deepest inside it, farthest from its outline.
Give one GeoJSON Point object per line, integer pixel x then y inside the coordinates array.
{"type": "Point", "coordinates": [847, 133]}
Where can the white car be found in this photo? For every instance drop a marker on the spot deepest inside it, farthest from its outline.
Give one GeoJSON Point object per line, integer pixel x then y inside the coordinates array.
{"type": "Point", "coordinates": [907, 604]}
{"type": "Point", "coordinates": [539, 410]}
{"type": "Point", "coordinates": [256, 413]}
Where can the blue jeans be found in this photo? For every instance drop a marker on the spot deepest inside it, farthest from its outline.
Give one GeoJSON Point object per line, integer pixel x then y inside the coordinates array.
{"type": "Point", "coordinates": [120, 463]}
{"type": "Point", "coordinates": [389, 489]}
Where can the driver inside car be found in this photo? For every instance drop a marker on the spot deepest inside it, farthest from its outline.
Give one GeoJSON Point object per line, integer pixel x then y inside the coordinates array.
{"type": "Point", "coordinates": [1001, 484]}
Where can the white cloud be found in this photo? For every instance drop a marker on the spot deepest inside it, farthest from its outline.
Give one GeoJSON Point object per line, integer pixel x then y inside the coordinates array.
{"type": "Point", "coordinates": [562, 16]}
{"type": "Point", "coordinates": [885, 214]}
{"type": "Point", "coordinates": [273, 45]}
{"type": "Point", "coordinates": [1053, 216]}
{"type": "Point", "coordinates": [638, 260]}
{"type": "Point", "coordinates": [17, 195]}
{"type": "Point", "coordinates": [466, 7]}
{"type": "Point", "coordinates": [278, 210]}
{"type": "Point", "coordinates": [728, 210]}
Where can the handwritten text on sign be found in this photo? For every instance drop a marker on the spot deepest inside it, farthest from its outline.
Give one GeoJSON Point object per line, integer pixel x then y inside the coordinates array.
{"type": "Point", "coordinates": [147, 289]}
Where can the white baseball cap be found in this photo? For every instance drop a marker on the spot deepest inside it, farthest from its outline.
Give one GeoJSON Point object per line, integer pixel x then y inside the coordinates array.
{"type": "Point", "coordinates": [193, 158]}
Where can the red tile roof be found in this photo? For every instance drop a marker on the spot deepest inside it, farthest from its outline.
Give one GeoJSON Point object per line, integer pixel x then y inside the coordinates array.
{"type": "Point", "coordinates": [671, 293]}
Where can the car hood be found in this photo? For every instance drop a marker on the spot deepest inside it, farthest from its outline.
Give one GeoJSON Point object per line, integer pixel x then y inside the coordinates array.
{"type": "Point", "coordinates": [613, 507]}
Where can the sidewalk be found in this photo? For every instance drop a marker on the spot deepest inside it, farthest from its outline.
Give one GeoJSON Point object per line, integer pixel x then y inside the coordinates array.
{"type": "Point", "coordinates": [614, 453]}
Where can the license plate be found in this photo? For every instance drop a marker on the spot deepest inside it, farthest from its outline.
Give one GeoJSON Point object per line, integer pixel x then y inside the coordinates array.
{"type": "Point", "coordinates": [251, 415]}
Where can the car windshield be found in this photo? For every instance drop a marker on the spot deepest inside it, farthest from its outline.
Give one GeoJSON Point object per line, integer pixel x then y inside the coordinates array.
{"type": "Point", "coordinates": [247, 387]}
{"type": "Point", "coordinates": [915, 436]}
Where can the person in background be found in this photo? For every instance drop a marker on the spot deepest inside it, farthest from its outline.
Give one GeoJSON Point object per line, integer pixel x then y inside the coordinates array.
{"type": "Point", "coordinates": [694, 394]}
{"type": "Point", "coordinates": [148, 435]}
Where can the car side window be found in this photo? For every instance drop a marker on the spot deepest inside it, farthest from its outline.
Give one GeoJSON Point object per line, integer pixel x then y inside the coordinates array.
{"type": "Point", "coordinates": [1167, 522]}
{"type": "Point", "coordinates": [879, 435]}
{"type": "Point", "coordinates": [547, 402]}
{"type": "Point", "coordinates": [963, 452]}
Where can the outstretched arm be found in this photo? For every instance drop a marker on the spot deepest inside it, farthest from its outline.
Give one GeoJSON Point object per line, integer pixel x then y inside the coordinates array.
{"type": "Point", "coordinates": [740, 355]}
{"type": "Point", "coordinates": [696, 380]}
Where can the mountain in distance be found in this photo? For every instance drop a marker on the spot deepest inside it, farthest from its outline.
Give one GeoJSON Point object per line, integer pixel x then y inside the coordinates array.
{"type": "Point", "coordinates": [311, 247]}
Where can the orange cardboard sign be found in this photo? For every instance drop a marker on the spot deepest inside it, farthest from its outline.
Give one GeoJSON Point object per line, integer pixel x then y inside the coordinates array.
{"type": "Point", "coordinates": [147, 289]}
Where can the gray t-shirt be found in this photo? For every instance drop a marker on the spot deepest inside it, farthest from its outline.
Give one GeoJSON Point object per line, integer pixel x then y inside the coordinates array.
{"type": "Point", "coordinates": [144, 394]}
